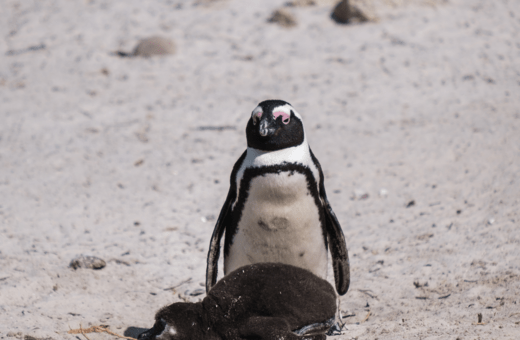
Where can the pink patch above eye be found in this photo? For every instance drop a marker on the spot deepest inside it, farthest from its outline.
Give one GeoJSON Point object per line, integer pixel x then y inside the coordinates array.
{"type": "Point", "coordinates": [285, 116]}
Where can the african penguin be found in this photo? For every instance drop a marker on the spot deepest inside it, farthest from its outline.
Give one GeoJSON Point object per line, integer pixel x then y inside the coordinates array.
{"type": "Point", "coordinates": [276, 209]}
{"type": "Point", "coordinates": [260, 301]}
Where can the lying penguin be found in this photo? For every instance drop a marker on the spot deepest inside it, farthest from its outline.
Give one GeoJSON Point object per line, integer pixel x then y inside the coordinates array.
{"type": "Point", "coordinates": [260, 301]}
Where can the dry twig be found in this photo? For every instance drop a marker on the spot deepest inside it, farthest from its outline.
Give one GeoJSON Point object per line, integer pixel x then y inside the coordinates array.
{"type": "Point", "coordinates": [96, 329]}
{"type": "Point", "coordinates": [366, 317]}
{"type": "Point", "coordinates": [369, 293]}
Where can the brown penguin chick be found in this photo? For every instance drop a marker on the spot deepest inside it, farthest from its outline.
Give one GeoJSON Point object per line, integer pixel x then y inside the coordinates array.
{"type": "Point", "coordinates": [259, 301]}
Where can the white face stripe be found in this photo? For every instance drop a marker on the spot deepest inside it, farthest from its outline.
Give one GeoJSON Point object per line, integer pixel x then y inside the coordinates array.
{"type": "Point", "coordinates": [283, 108]}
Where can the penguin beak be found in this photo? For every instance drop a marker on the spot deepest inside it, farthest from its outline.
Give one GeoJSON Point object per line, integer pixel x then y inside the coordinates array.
{"type": "Point", "coordinates": [266, 128]}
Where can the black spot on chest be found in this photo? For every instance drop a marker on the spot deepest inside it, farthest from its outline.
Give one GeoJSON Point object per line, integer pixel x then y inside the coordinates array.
{"type": "Point", "coordinates": [275, 224]}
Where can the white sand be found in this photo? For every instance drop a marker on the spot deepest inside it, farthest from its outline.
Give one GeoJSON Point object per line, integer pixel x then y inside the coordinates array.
{"type": "Point", "coordinates": [104, 156]}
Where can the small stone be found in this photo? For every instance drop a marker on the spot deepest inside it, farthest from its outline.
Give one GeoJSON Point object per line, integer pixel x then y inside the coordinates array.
{"type": "Point", "coordinates": [154, 46]}
{"type": "Point", "coordinates": [283, 18]}
{"type": "Point", "coordinates": [87, 262]}
{"type": "Point", "coordinates": [491, 221]}
{"type": "Point", "coordinates": [196, 292]}
{"type": "Point", "coordinates": [425, 236]}
{"type": "Point", "coordinates": [360, 194]}
{"type": "Point", "coordinates": [383, 192]}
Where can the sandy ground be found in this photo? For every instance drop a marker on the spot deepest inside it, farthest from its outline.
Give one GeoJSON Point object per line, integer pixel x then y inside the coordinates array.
{"type": "Point", "coordinates": [415, 118]}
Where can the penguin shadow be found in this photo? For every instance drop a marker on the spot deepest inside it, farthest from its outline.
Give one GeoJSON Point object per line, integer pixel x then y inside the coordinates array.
{"type": "Point", "coordinates": [133, 332]}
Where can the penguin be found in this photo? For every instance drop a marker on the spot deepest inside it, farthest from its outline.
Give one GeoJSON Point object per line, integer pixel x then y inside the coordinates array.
{"type": "Point", "coordinates": [276, 209]}
{"type": "Point", "coordinates": [259, 301]}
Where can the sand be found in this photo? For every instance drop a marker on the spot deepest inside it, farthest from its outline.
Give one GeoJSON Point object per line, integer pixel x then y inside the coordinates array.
{"type": "Point", "coordinates": [414, 116]}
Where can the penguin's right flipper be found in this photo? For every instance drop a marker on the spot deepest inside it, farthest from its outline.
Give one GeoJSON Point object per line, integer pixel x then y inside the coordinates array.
{"type": "Point", "coordinates": [223, 221]}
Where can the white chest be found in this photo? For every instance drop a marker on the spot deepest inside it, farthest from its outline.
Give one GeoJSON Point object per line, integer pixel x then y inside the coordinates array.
{"type": "Point", "coordinates": [279, 223]}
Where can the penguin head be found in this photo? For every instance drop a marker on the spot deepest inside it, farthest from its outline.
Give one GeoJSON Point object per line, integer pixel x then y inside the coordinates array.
{"type": "Point", "coordinates": [179, 321]}
{"type": "Point", "coordinates": [274, 125]}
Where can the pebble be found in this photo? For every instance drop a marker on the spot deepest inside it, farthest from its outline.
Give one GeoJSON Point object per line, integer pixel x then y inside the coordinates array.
{"type": "Point", "coordinates": [149, 47]}
{"type": "Point", "coordinates": [155, 45]}
{"type": "Point", "coordinates": [88, 262]}
{"type": "Point", "coordinates": [283, 18]}
{"type": "Point", "coordinates": [300, 3]}
{"type": "Point", "coordinates": [360, 194]}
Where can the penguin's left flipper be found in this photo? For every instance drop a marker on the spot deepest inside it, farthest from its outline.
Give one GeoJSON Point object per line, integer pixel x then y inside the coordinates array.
{"type": "Point", "coordinates": [224, 220]}
{"type": "Point", "coordinates": [337, 244]}
{"type": "Point", "coordinates": [214, 245]}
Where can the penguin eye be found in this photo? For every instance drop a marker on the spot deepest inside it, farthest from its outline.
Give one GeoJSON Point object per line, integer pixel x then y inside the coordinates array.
{"type": "Point", "coordinates": [256, 117]}
{"type": "Point", "coordinates": [286, 118]}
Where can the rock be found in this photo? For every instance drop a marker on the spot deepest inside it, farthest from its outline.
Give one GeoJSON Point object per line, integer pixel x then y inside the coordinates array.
{"type": "Point", "coordinates": [88, 262]}
{"type": "Point", "coordinates": [283, 18]}
{"type": "Point", "coordinates": [149, 47]}
{"type": "Point", "coordinates": [30, 337]}
{"type": "Point", "coordinates": [344, 13]}
{"type": "Point", "coordinates": [300, 3]}
{"type": "Point", "coordinates": [14, 335]}
{"type": "Point", "coordinates": [154, 46]}
{"type": "Point", "coordinates": [360, 194]}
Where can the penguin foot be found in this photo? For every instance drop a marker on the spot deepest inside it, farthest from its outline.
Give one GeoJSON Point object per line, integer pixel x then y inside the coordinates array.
{"type": "Point", "coordinates": [335, 329]}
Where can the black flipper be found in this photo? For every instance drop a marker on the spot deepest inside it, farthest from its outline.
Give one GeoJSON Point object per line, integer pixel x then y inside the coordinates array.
{"type": "Point", "coordinates": [222, 223]}
{"type": "Point", "coordinates": [214, 245]}
{"type": "Point", "coordinates": [337, 244]}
